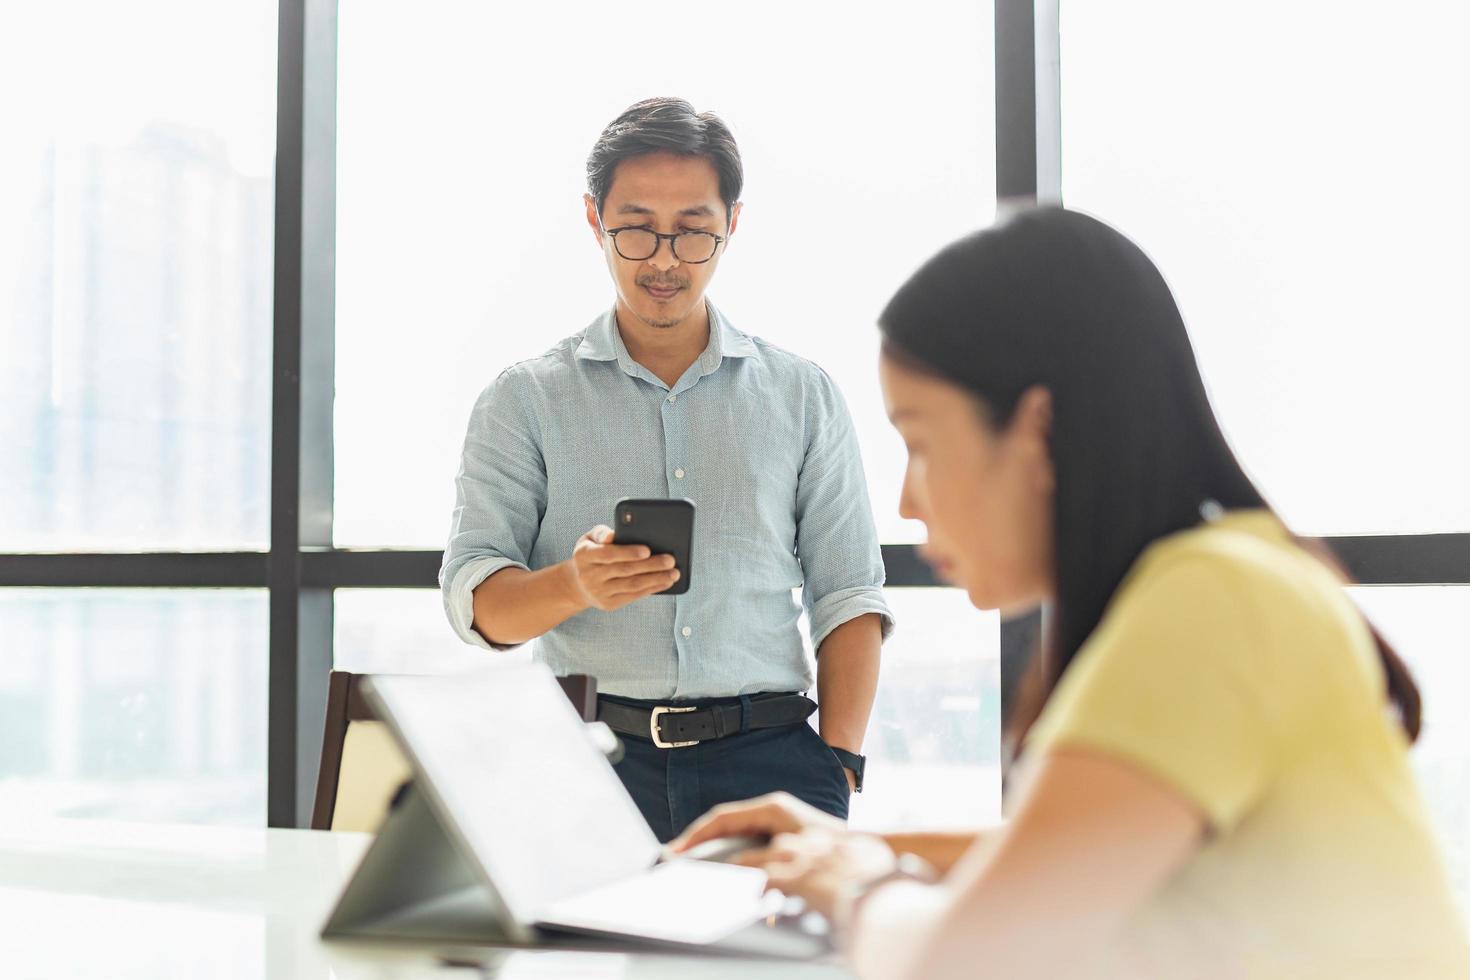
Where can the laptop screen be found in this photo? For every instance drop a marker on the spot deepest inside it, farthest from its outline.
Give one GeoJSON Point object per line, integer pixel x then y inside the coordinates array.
{"type": "Point", "coordinates": [506, 757]}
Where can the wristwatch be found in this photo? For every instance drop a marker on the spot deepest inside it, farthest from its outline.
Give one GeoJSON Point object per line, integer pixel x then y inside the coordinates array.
{"type": "Point", "coordinates": [853, 761]}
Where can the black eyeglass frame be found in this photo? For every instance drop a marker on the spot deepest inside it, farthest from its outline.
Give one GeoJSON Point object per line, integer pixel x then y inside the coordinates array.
{"type": "Point", "coordinates": [660, 237]}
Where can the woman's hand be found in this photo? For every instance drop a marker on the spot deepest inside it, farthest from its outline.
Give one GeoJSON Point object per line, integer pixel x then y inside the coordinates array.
{"type": "Point", "coordinates": [824, 867]}
{"type": "Point", "coordinates": [811, 853]}
{"type": "Point", "coordinates": [765, 816]}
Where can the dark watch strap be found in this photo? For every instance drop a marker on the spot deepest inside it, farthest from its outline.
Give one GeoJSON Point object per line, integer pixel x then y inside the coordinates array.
{"type": "Point", "coordinates": [853, 761]}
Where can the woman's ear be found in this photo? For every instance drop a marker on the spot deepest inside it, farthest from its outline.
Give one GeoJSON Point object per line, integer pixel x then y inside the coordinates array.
{"type": "Point", "coordinates": [1032, 423]}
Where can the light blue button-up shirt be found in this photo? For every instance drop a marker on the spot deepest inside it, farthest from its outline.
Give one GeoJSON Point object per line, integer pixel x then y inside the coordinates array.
{"type": "Point", "coordinates": [758, 438]}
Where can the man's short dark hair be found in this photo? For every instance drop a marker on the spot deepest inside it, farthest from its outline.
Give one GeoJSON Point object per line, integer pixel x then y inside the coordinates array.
{"type": "Point", "coordinates": [665, 125]}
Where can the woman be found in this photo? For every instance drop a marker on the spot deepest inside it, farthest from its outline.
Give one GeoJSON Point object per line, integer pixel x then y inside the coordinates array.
{"type": "Point", "coordinates": [1213, 775]}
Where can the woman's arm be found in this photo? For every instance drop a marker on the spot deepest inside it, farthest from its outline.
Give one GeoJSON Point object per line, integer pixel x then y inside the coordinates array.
{"type": "Point", "coordinates": [941, 850]}
{"type": "Point", "coordinates": [1092, 837]}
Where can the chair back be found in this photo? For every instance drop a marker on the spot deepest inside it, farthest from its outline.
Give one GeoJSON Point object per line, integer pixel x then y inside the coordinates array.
{"type": "Point", "coordinates": [362, 766]}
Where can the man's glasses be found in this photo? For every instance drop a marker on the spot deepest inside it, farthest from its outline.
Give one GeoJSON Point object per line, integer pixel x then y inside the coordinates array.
{"type": "Point", "coordinates": [689, 247]}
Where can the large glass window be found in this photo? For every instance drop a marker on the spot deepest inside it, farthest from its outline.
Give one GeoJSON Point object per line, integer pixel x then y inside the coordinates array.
{"type": "Point", "coordinates": [1298, 172]}
{"type": "Point", "coordinates": [840, 147]}
{"type": "Point", "coordinates": [1428, 626]}
{"type": "Point", "coordinates": [396, 631]}
{"type": "Point", "coordinates": [134, 704]}
{"type": "Point", "coordinates": [933, 743]}
{"type": "Point", "coordinates": [868, 141]}
{"type": "Point", "coordinates": [135, 274]}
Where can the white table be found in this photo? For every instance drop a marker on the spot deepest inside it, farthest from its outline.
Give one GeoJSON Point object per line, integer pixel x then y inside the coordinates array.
{"type": "Point", "coordinates": [117, 900]}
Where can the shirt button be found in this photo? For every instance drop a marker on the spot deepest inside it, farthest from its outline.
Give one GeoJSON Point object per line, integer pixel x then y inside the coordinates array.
{"type": "Point", "coordinates": [686, 631]}
{"type": "Point", "coordinates": [673, 398]}
{"type": "Point", "coordinates": [678, 474]}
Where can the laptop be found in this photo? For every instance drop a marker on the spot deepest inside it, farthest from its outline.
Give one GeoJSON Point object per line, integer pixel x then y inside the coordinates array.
{"type": "Point", "coordinates": [515, 830]}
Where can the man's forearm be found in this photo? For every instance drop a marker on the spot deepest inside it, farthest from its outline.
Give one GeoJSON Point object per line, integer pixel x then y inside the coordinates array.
{"type": "Point", "coordinates": [514, 605]}
{"type": "Point", "coordinates": [847, 680]}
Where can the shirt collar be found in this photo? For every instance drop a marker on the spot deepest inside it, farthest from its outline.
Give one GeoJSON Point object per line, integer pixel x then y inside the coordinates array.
{"type": "Point", "coordinates": [732, 343]}
{"type": "Point", "coordinates": [599, 339]}
{"type": "Point", "coordinates": [602, 342]}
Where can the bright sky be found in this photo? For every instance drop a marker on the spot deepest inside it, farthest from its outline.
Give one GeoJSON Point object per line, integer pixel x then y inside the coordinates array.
{"type": "Point", "coordinates": [1302, 189]}
{"type": "Point", "coordinates": [97, 73]}
{"type": "Point", "coordinates": [1298, 171]}
{"type": "Point", "coordinates": [101, 70]}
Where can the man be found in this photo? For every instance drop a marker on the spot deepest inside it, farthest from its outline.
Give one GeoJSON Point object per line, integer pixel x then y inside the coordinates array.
{"type": "Point", "coordinates": [662, 397]}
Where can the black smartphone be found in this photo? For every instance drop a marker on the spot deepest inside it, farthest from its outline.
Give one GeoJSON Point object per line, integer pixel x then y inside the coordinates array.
{"type": "Point", "coordinates": [665, 526]}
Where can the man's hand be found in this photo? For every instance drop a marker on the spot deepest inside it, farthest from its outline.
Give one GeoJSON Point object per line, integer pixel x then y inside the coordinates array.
{"type": "Point", "coordinates": [608, 576]}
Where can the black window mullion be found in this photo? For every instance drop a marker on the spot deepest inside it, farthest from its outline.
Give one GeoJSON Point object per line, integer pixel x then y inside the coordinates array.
{"type": "Point", "coordinates": [122, 570]}
{"type": "Point", "coordinates": [303, 364]}
{"type": "Point", "coordinates": [1372, 559]}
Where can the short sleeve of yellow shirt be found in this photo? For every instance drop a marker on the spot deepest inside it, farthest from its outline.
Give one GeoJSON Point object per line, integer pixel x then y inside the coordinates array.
{"type": "Point", "coordinates": [1175, 682]}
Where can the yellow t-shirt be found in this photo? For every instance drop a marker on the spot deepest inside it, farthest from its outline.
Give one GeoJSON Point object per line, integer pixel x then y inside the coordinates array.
{"type": "Point", "coordinates": [1232, 666]}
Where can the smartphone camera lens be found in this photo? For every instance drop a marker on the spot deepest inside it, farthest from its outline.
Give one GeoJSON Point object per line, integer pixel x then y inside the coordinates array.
{"type": "Point", "coordinates": [627, 517]}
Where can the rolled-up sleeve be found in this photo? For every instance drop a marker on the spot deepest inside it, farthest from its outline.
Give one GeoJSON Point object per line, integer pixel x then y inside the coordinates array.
{"type": "Point", "coordinates": [842, 565]}
{"type": "Point", "coordinates": [499, 500]}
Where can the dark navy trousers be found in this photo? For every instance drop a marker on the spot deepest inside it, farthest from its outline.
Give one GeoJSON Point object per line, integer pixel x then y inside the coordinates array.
{"type": "Point", "coordinates": [674, 787]}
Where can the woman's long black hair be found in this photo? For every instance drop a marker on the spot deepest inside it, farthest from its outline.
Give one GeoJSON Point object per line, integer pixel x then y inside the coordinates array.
{"type": "Point", "coordinates": [1055, 298]}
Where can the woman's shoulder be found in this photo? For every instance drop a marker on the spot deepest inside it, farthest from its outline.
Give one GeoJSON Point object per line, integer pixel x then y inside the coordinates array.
{"type": "Point", "coordinates": [1248, 553]}
{"type": "Point", "coordinates": [1246, 587]}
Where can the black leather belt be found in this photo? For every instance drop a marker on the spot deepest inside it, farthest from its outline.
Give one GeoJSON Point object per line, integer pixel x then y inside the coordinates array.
{"type": "Point", "coordinates": [674, 726]}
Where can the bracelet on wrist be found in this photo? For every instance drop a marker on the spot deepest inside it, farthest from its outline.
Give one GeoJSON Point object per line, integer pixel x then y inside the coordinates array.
{"type": "Point", "coordinates": [906, 867]}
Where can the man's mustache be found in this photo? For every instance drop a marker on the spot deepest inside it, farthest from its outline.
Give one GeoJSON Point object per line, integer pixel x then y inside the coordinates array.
{"type": "Point", "coordinates": [658, 283]}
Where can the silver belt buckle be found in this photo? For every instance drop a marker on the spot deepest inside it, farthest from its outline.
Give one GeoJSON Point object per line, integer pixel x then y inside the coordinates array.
{"type": "Point", "coordinates": [653, 727]}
